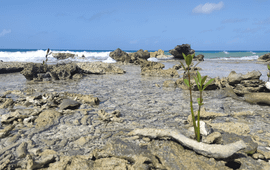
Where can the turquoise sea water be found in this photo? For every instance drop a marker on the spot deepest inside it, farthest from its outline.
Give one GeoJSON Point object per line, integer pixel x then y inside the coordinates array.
{"type": "Point", "coordinates": [37, 55]}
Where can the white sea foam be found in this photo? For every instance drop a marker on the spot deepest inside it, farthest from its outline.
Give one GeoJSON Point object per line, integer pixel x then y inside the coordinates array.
{"type": "Point", "coordinates": [153, 59]}
{"type": "Point", "coordinates": [39, 56]}
{"type": "Point", "coordinates": [254, 57]}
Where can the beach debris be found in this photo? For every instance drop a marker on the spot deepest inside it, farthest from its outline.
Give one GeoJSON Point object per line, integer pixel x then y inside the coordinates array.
{"type": "Point", "coordinates": [205, 129]}
{"type": "Point", "coordinates": [267, 85]}
{"type": "Point", "coordinates": [213, 150]}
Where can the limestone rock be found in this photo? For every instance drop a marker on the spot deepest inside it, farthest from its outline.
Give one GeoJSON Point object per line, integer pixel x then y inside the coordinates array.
{"type": "Point", "coordinates": [63, 71]}
{"type": "Point", "coordinates": [22, 150]}
{"type": "Point", "coordinates": [69, 104]}
{"type": "Point", "coordinates": [258, 98]}
{"type": "Point", "coordinates": [120, 55]}
{"type": "Point", "coordinates": [84, 98]}
{"type": "Point", "coordinates": [112, 116]}
{"type": "Point", "coordinates": [62, 56]}
{"type": "Point", "coordinates": [264, 58]}
{"type": "Point", "coordinates": [100, 68]}
{"type": "Point", "coordinates": [179, 49]}
{"type": "Point", "coordinates": [47, 118]}
{"type": "Point", "coordinates": [204, 115]}
{"type": "Point", "coordinates": [11, 67]}
{"type": "Point", "coordinates": [199, 57]}
{"type": "Point", "coordinates": [10, 117]}
{"type": "Point", "coordinates": [214, 137]}
{"type": "Point", "coordinates": [232, 127]}
{"type": "Point", "coordinates": [251, 146]}
{"type": "Point", "coordinates": [169, 83]}
{"type": "Point", "coordinates": [4, 132]}
{"type": "Point", "coordinates": [31, 70]}
{"type": "Point", "coordinates": [8, 103]}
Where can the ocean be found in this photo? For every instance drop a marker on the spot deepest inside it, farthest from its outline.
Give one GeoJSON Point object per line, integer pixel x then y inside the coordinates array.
{"type": "Point", "coordinates": [38, 55]}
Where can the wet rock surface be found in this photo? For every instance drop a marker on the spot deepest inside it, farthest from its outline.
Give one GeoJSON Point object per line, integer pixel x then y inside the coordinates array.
{"type": "Point", "coordinates": [11, 67]}
{"type": "Point", "coordinates": [79, 138]}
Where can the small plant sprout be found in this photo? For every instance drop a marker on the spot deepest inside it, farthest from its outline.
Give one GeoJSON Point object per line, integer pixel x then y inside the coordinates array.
{"type": "Point", "coordinates": [201, 86]}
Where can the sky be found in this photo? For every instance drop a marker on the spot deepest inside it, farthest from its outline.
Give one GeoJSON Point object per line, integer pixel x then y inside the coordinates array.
{"type": "Point", "coordinates": [135, 24]}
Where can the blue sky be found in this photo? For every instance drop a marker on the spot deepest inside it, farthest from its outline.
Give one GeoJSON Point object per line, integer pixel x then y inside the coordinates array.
{"type": "Point", "coordinates": [135, 24]}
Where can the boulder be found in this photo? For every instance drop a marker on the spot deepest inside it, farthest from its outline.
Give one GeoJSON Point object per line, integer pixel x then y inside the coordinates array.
{"type": "Point", "coordinates": [120, 55]}
{"type": "Point", "coordinates": [99, 68]}
{"type": "Point", "coordinates": [63, 71]}
{"type": "Point", "coordinates": [31, 70]}
{"type": "Point", "coordinates": [62, 56]}
{"type": "Point", "coordinates": [264, 58]}
{"type": "Point", "coordinates": [136, 58]}
{"type": "Point", "coordinates": [199, 57]}
{"type": "Point", "coordinates": [179, 49]}
{"type": "Point", "coordinates": [248, 83]}
{"type": "Point", "coordinates": [140, 54]}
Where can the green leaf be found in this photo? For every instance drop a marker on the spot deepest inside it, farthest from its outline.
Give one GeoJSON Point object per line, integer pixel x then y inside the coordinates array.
{"type": "Point", "coordinates": [197, 82]}
{"type": "Point", "coordinates": [185, 57]}
{"type": "Point", "coordinates": [199, 77]}
{"type": "Point", "coordinates": [183, 66]}
{"type": "Point", "coordinates": [186, 82]}
{"type": "Point", "coordinates": [268, 67]}
{"type": "Point", "coordinates": [203, 80]}
{"type": "Point", "coordinates": [210, 81]}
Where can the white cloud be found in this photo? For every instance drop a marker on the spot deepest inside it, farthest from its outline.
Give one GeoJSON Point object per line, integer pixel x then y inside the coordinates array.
{"type": "Point", "coordinates": [208, 8]}
{"type": "Point", "coordinates": [4, 32]}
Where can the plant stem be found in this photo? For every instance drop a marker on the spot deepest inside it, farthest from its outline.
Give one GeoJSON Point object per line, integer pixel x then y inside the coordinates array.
{"type": "Point", "coordinates": [198, 118]}
{"type": "Point", "coordinates": [191, 106]}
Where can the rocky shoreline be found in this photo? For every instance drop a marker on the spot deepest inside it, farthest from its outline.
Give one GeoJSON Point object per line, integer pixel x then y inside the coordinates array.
{"type": "Point", "coordinates": [93, 121]}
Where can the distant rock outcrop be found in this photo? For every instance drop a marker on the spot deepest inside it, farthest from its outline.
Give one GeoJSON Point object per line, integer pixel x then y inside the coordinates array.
{"type": "Point", "coordinates": [136, 58]}
{"type": "Point", "coordinates": [62, 56]}
{"type": "Point", "coordinates": [179, 49]}
{"type": "Point", "coordinates": [264, 58]}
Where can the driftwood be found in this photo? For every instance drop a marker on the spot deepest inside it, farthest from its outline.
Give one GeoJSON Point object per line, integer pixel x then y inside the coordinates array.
{"type": "Point", "coordinates": [209, 150]}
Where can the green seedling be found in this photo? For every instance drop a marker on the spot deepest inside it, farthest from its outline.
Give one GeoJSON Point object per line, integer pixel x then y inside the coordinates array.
{"type": "Point", "coordinates": [201, 86]}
